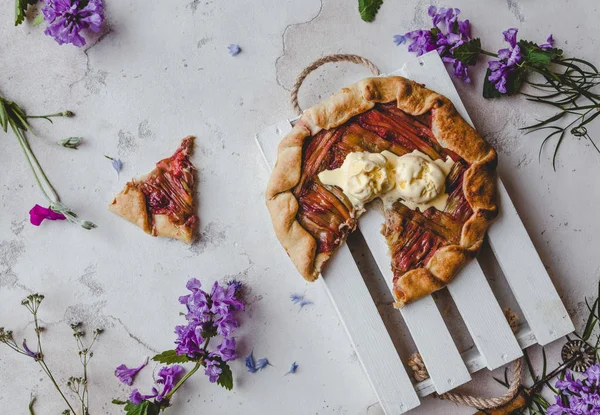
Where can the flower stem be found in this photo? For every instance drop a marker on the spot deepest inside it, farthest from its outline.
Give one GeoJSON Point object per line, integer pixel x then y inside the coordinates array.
{"type": "Point", "coordinates": [183, 379]}
{"type": "Point", "coordinates": [58, 114]}
{"type": "Point", "coordinates": [485, 52]}
{"type": "Point", "coordinates": [43, 364]}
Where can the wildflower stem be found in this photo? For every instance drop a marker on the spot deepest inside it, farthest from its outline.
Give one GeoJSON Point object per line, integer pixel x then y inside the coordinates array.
{"type": "Point", "coordinates": [183, 379]}
{"type": "Point", "coordinates": [43, 364]}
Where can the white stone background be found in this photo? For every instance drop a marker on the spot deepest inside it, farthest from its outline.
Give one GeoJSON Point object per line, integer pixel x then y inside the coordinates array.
{"type": "Point", "coordinates": [161, 72]}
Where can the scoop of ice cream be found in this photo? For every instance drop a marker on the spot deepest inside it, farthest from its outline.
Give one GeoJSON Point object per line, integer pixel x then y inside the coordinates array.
{"type": "Point", "coordinates": [362, 177]}
{"type": "Point", "coordinates": [418, 179]}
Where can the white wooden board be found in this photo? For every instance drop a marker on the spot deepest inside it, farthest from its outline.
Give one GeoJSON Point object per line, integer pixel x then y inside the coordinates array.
{"type": "Point", "coordinates": [357, 312]}
{"type": "Point", "coordinates": [495, 345]}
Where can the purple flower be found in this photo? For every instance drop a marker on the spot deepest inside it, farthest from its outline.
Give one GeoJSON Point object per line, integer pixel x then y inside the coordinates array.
{"type": "Point", "coordinates": [226, 325]}
{"type": "Point", "coordinates": [37, 214]}
{"type": "Point", "coordinates": [569, 384]}
{"type": "Point", "coordinates": [262, 363]}
{"type": "Point", "coordinates": [213, 371]}
{"type": "Point", "coordinates": [126, 375]}
{"type": "Point", "coordinates": [189, 340]}
{"type": "Point", "coordinates": [399, 40]}
{"type": "Point", "coordinates": [234, 49]}
{"type": "Point", "coordinates": [510, 36]}
{"type": "Point", "coordinates": [549, 43]}
{"type": "Point", "coordinates": [66, 18]}
{"type": "Point", "coordinates": [168, 376]}
{"type": "Point", "coordinates": [250, 363]}
{"type": "Point", "coordinates": [447, 34]}
{"type": "Point", "coordinates": [507, 65]}
{"type": "Point", "coordinates": [593, 373]}
{"type": "Point", "coordinates": [224, 299]}
{"type": "Point", "coordinates": [35, 355]}
{"type": "Point", "coordinates": [558, 408]}
{"type": "Point", "coordinates": [136, 397]}
{"type": "Point", "coordinates": [423, 41]}
{"type": "Point", "coordinates": [197, 302]}
{"type": "Point", "coordinates": [293, 369]}
{"type": "Point", "coordinates": [226, 350]}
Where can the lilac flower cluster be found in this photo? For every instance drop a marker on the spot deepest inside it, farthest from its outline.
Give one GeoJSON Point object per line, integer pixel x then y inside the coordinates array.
{"type": "Point", "coordinates": [578, 396]}
{"type": "Point", "coordinates": [508, 63]}
{"type": "Point", "coordinates": [447, 34]}
{"type": "Point", "coordinates": [67, 18]}
{"type": "Point", "coordinates": [509, 60]}
{"type": "Point", "coordinates": [209, 315]}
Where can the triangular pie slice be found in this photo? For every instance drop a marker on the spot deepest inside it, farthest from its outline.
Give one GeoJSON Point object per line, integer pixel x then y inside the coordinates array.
{"type": "Point", "coordinates": [393, 117]}
{"type": "Point", "coordinates": [162, 201]}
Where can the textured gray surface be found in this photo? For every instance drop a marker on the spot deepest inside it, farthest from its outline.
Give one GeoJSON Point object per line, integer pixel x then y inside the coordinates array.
{"type": "Point", "coordinates": [160, 72]}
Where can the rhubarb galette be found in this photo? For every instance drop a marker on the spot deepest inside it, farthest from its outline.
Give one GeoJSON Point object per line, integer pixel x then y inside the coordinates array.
{"type": "Point", "coordinates": [162, 201]}
{"type": "Point", "coordinates": [392, 139]}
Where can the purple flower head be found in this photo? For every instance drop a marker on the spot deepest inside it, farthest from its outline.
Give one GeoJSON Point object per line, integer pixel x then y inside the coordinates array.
{"type": "Point", "coordinates": [423, 41]}
{"type": "Point", "coordinates": [549, 43]}
{"type": "Point", "coordinates": [168, 376]}
{"type": "Point", "coordinates": [505, 68]}
{"type": "Point", "coordinates": [136, 397]}
{"type": "Point", "coordinates": [213, 371]}
{"type": "Point", "coordinates": [35, 355]}
{"type": "Point", "coordinates": [226, 350]}
{"type": "Point", "coordinates": [447, 34]}
{"type": "Point", "coordinates": [234, 49]}
{"type": "Point", "coordinates": [237, 285]}
{"type": "Point", "coordinates": [197, 302]}
{"type": "Point", "coordinates": [226, 325]}
{"type": "Point", "coordinates": [569, 384]}
{"type": "Point", "coordinates": [558, 408]}
{"type": "Point", "coordinates": [38, 213]}
{"type": "Point", "coordinates": [126, 375]}
{"type": "Point", "coordinates": [510, 36]}
{"type": "Point", "coordinates": [593, 373]}
{"type": "Point", "coordinates": [399, 40]}
{"type": "Point", "coordinates": [67, 18]}
{"type": "Point", "coordinates": [224, 300]}
{"type": "Point", "coordinates": [189, 340]}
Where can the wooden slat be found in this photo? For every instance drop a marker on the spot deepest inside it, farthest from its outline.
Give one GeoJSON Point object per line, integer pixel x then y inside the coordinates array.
{"type": "Point", "coordinates": [423, 319]}
{"type": "Point", "coordinates": [357, 312]}
{"type": "Point", "coordinates": [476, 362]}
{"type": "Point", "coordinates": [526, 275]}
{"type": "Point", "coordinates": [483, 317]}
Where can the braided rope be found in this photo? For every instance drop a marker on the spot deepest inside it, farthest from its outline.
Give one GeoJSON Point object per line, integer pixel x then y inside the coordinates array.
{"type": "Point", "coordinates": [489, 403]}
{"type": "Point", "coordinates": [319, 62]}
{"type": "Point", "coordinates": [415, 362]}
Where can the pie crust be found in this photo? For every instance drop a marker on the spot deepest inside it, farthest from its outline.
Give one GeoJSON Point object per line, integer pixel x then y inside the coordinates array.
{"type": "Point", "coordinates": [449, 129]}
{"type": "Point", "coordinates": [132, 204]}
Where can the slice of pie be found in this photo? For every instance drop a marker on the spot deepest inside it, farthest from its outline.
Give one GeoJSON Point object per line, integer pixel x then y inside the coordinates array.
{"type": "Point", "coordinates": [391, 139]}
{"type": "Point", "coordinates": [162, 201]}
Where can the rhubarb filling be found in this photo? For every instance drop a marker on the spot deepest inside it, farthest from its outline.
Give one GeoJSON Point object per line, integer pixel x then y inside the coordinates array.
{"type": "Point", "coordinates": [168, 188]}
{"type": "Point", "coordinates": [413, 236]}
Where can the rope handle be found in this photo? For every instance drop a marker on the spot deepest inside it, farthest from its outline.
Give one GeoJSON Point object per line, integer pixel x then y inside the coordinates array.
{"type": "Point", "coordinates": [322, 61]}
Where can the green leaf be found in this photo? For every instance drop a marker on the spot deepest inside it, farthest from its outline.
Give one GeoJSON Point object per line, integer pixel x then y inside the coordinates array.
{"type": "Point", "coordinates": [3, 116]}
{"type": "Point", "coordinates": [144, 408]}
{"type": "Point", "coordinates": [489, 90]}
{"type": "Point", "coordinates": [468, 52]}
{"type": "Point", "coordinates": [170, 356]}
{"type": "Point", "coordinates": [39, 19]}
{"type": "Point", "coordinates": [368, 9]}
{"type": "Point", "coordinates": [226, 377]}
{"type": "Point", "coordinates": [536, 56]}
{"type": "Point", "coordinates": [119, 402]}
{"type": "Point", "coordinates": [20, 10]}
